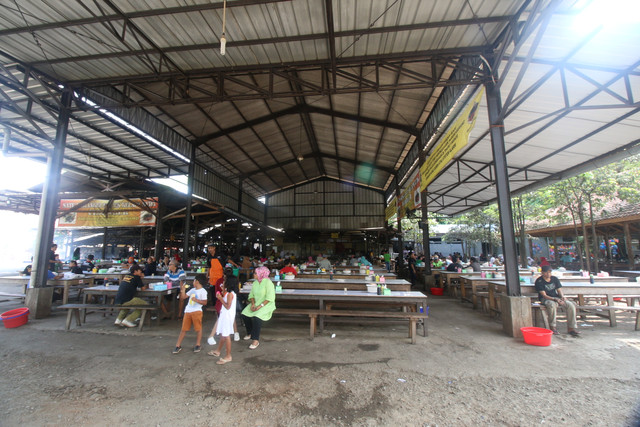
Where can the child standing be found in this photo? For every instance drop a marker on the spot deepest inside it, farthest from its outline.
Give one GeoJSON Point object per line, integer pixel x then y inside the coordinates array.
{"type": "Point", "coordinates": [230, 284]}
{"type": "Point", "coordinates": [225, 323]}
{"type": "Point", "coordinates": [193, 312]}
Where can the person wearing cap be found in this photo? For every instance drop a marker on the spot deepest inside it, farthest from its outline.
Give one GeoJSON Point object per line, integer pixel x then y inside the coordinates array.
{"type": "Point", "coordinates": [550, 294]}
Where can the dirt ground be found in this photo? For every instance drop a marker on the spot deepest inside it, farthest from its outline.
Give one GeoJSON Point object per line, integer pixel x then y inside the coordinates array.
{"type": "Point", "coordinates": [465, 373]}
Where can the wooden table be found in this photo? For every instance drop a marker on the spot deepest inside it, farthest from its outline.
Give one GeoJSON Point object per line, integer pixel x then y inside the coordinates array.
{"type": "Point", "coordinates": [341, 283]}
{"type": "Point", "coordinates": [579, 289]}
{"type": "Point", "coordinates": [631, 274]}
{"type": "Point", "coordinates": [116, 275]}
{"type": "Point", "coordinates": [156, 279]}
{"type": "Point", "coordinates": [413, 299]}
{"type": "Point", "coordinates": [65, 284]}
{"type": "Point", "coordinates": [110, 291]}
{"type": "Point", "coordinates": [340, 275]}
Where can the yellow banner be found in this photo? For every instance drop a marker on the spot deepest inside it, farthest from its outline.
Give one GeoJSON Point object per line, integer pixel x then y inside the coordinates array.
{"type": "Point", "coordinates": [120, 213]}
{"type": "Point", "coordinates": [391, 210]}
{"type": "Point", "coordinates": [453, 141]}
{"type": "Point", "coordinates": [410, 197]}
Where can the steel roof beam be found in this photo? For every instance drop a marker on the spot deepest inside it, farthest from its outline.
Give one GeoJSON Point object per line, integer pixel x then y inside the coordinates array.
{"type": "Point", "coordinates": [408, 57]}
{"type": "Point", "coordinates": [135, 15]}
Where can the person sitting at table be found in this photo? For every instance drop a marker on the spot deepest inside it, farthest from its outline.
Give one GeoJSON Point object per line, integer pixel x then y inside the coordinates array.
{"type": "Point", "coordinates": [550, 294]}
{"type": "Point", "coordinates": [543, 262]}
{"type": "Point", "coordinates": [126, 295]}
{"type": "Point", "coordinates": [262, 303]}
{"type": "Point", "coordinates": [324, 263]}
{"type": "Point", "coordinates": [88, 265]}
{"type": "Point", "coordinates": [75, 269]}
{"type": "Point", "coordinates": [455, 265]}
{"type": "Point", "coordinates": [164, 264]}
{"type": "Point", "coordinates": [150, 267]}
{"type": "Point", "coordinates": [474, 264]}
{"type": "Point", "coordinates": [288, 268]}
{"type": "Point", "coordinates": [176, 277]}
{"type": "Point", "coordinates": [27, 270]}
{"type": "Point", "coordinates": [364, 261]}
{"type": "Point", "coordinates": [437, 262]}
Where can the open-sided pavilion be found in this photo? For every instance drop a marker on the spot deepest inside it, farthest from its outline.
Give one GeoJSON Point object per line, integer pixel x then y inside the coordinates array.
{"type": "Point", "coordinates": [324, 107]}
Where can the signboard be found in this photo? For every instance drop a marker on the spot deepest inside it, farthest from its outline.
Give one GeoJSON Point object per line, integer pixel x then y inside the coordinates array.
{"type": "Point", "coordinates": [391, 210]}
{"type": "Point", "coordinates": [453, 141]}
{"type": "Point", "coordinates": [410, 197]}
{"type": "Point", "coordinates": [120, 213]}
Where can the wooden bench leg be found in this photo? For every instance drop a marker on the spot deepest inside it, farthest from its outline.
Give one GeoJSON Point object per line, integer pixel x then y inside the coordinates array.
{"type": "Point", "coordinates": [545, 317]}
{"type": "Point", "coordinates": [312, 326]}
{"type": "Point", "coordinates": [69, 314]}
{"type": "Point", "coordinates": [142, 317]}
{"type": "Point", "coordinates": [638, 321]}
{"type": "Point", "coordinates": [412, 330]}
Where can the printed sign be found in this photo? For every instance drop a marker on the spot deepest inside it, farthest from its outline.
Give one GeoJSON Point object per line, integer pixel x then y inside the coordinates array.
{"type": "Point", "coordinates": [96, 213]}
{"type": "Point", "coordinates": [453, 141]}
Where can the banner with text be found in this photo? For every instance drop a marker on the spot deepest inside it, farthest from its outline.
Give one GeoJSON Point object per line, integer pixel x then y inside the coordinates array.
{"type": "Point", "coordinates": [106, 213]}
{"type": "Point", "coordinates": [456, 137]}
{"type": "Point", "coordinates": [391, 210]}
{"type": "Point", "coordinates": [410, 198]}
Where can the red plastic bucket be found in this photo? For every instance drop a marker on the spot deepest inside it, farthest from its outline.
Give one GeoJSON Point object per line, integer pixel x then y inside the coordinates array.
{"type": "Point", "coordinates": [537, 336]}
{"type": "Point", "coordinates": [437, 291]}
{"type": "Point", "coordinates": [15, 318]}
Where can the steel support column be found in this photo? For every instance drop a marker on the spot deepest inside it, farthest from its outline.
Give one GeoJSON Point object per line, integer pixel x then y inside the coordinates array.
{"type": "Point", "coordinates": [104, 244]}
{"type": "Point", "coordinates": [424, 225]}
{"type": "Point", "coordinates": [399, 220]}
{"type": "Point", "coordinates": [503, 192]}
{"type": "Point", "coordinates": [159, 241]}
{"type": "Point", "coordinates": [239, 225]}
{"type": "Point", "coordinates": [49, 202]}
{"type": "Point", "coordinates": [187, 214]}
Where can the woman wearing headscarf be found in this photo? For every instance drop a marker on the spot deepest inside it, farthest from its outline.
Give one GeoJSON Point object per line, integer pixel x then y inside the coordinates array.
{"type": "Point", "coordinates": [543, 262]}
{"type": "Point", "coordinates": [262, 303]}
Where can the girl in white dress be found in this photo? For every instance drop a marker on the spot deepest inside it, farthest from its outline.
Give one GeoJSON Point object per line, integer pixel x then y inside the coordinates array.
{"type": "Point", "coordinates": [226, 319]}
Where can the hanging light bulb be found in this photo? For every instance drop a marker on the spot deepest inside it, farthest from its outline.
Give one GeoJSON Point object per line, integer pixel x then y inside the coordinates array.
{"type": "Point", "coordinates": [223, 39]}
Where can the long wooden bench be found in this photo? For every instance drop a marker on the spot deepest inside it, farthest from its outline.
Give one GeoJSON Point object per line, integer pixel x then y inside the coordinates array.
{"type": "Point", "coordinates": [537, 307]}
{"type": "Point", "coordinates": [11, 295]}
{"type": "Point", "coordinates": [313, 314]}
{"type": "Point", "coordinates": [74, 309]}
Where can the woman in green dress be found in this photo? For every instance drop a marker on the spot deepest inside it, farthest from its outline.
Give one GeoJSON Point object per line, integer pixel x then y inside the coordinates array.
{"type": "Point", "coordinates": [262, 303]}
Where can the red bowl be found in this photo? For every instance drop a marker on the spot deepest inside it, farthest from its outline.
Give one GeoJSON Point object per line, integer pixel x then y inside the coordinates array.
{"type": "Point", "coordinates": [437, 291]}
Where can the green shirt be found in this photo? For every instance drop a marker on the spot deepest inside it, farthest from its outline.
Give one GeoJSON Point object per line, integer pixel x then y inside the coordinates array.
{"type": "Point", "coordinates": [263, 291]}
{"type": "Point", "coordinates": [387, 257]}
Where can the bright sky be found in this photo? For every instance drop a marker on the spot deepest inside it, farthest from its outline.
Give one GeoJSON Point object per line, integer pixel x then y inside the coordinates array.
{"type": "Point", "coordinates": [18, 230]}
{"type": "Point", "coordinates": [19, 174]}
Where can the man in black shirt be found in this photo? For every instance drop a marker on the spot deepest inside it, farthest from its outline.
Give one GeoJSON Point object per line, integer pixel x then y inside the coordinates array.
{"type": "Point", "coordinates": [126, 296]}
{"type": "Point", "coordinates": [73, 265]}
{"type": "Point", "coordinates": [550, 294]}
{"type": "Point", "coordinates": [151, 267]}
{"type": "Point", "coordinates": [88, 264]}
{"type": "Point", "coordinates": [455, 265]}
{"type": "Point", "coordinates": [413, 274]}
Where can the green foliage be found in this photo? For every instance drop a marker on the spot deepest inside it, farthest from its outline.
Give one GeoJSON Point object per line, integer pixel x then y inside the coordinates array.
{"type": "Point", "coordinates": [477, 226]}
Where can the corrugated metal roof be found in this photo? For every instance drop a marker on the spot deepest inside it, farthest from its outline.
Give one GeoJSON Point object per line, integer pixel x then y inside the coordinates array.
{"type": "Point", "coordinates": [344, 85]}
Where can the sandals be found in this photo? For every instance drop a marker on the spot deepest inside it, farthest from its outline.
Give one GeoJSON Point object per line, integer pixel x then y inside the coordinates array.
{"type": "Point", "coordinates": [222, 361]}
{"type": "Point", "coordinates": [213, 353]}
{"type": "Point", "coordinates": [574, 333]}
{"type": "Point", "coordinates": [254, 346]}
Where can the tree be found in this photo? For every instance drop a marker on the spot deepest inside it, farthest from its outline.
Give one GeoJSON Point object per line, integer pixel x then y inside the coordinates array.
{"type": "Point", "coordinates": [477, 226]}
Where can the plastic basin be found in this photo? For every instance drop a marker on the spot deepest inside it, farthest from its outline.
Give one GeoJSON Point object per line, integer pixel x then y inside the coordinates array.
{"type": "Point", "coordinates": [437, 291]}
{"type": "Point", "coordinates": [537, 336]}
{"type": "Point", "coordinates": [15, 318]}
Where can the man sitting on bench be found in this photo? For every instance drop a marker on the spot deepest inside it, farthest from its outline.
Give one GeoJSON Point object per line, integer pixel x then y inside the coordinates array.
{"type": "Point", "coordinates": [126, 296]}
{"type": "Point", "coordinates": [550, 294]}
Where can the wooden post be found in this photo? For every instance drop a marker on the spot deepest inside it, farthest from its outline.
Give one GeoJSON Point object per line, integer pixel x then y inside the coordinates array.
{"type": "Point", "coordinates": [628, 245]}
